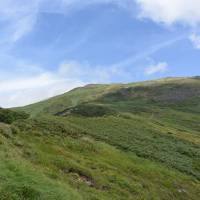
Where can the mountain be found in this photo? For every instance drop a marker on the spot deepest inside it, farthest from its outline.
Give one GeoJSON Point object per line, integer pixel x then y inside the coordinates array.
{"type": "Point", "coordinates": [103, 142]}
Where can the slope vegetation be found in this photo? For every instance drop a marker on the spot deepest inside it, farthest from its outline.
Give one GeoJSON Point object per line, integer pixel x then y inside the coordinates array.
{"type": "Point", "coordinates": [132, 141]}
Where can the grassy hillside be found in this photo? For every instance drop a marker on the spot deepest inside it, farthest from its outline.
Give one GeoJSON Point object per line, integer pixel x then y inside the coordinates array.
{"type": "Point", "coordinates": [132, 141]}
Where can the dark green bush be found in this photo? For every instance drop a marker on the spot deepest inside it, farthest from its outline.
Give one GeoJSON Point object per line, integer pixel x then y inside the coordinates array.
{"type": "Point", "coordinates": [9, 116]}
{"type": "Point", "coordinates": [90, 110]}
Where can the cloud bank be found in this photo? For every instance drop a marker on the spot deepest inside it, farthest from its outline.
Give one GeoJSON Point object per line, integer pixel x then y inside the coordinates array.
{"type": "Point", "coordinates": [24, 90]}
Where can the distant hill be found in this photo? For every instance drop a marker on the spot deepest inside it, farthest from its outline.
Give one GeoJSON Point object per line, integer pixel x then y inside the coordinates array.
{"type": "Point", "coordinates": [103, 142]}
{"type": "Point", "coordinates": [96, 91]}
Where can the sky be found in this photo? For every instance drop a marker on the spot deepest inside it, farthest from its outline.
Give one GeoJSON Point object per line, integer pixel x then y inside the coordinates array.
{"type": "Point", "coordinates": [50, 47]}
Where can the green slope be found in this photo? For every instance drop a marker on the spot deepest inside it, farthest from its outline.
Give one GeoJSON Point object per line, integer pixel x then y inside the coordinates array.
{"type": "Point", "coordinates": [132, 141]}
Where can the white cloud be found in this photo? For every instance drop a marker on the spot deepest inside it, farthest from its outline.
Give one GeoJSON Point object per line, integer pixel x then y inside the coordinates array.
{"type": "Point", "coordinates": [19, 96]}
{"type": "Point", "coordinates": [195, 39]}
{"type": "Point", "coordinates": [171, 11]}
{"type": "Point", "coordinates": [158, 68]}
{"type": "Point", "coordinates": [38, 84]}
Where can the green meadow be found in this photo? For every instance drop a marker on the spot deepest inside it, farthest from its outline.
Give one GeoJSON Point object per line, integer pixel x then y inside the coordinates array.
{"type": "Point", "coordinates": [138, 141]}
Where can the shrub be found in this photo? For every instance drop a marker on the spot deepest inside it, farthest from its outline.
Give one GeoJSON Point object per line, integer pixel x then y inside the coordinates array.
{"type": "Point", "coordinates": [9, 116]}
{"type": "Point", "coordinates": [89, 110]}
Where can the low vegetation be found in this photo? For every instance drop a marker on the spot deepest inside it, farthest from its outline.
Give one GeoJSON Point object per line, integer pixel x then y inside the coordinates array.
{"type": "Point", "coordinates": [103, 142]}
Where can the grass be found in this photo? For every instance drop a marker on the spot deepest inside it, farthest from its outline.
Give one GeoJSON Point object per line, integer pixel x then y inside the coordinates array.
{"type": "Point", "coordinates": [103, 142]}
{"type": "Point", "coordinates": [149, 140]}
{"type": "Point", "coordinates": [40, 165]}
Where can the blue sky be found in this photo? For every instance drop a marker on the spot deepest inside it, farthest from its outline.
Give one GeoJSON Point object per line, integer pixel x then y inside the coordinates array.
{"type": "Point", "coordinates": [49, 47]}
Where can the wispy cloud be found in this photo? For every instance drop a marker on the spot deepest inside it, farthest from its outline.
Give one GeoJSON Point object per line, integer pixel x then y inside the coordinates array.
{"type": "Point", "coordinates": [158, 68]}
{"type": "Point", "coordinates": [20, 16]}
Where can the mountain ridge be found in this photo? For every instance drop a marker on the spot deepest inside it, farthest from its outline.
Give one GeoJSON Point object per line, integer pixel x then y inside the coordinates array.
{"type": "Point", "coordinates": [30, 108]}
